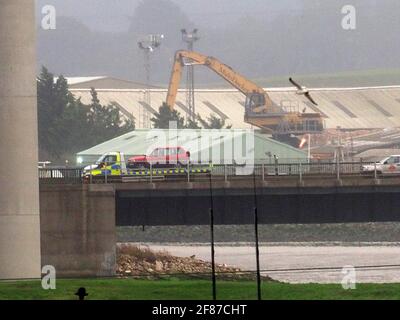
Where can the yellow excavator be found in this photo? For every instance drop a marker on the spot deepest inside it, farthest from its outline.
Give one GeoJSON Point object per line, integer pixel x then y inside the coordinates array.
{"type": "Point", "coordinates": [260, 111]}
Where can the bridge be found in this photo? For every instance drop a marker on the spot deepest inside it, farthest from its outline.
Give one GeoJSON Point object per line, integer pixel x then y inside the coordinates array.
{"type": "Point", "coordinates": [197, 172]}
{"type": "Point", "coordinates": [284, 193]}
{"type": "Point", "coordinates": [85, 213]}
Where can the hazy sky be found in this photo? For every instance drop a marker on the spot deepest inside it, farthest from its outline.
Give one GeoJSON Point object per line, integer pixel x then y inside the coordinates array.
{"type": "Point", "coordinates": [100, 15]}
{"type": "Point", "coordinates": [259, 38]}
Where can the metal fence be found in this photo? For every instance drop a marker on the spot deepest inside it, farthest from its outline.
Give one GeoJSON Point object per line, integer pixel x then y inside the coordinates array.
{"type": "Point", "coordinates": [194, 172]}
{"type": "Point", "coordinates": [61, 175]}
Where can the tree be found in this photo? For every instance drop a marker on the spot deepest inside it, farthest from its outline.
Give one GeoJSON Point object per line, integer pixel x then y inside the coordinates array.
{"type": "Point", "coordinates": [213, 122]}
{"type": "Point", "coordinates": [66, 125]}
{"type": "Point", "coordinates": [192, 124]}
{"type": "Point", "coordinates": [162, 119]}
{"type": "Point", "coordinates": [73, 126]}
{"type": "Point", "coordinates": [58, 110]}
{"type": "Point", "coordinates": [105, 122]}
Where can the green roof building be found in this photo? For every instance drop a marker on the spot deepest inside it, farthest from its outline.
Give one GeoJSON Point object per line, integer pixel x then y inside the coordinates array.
{"type": "Point", "coordinates": [226, 146]}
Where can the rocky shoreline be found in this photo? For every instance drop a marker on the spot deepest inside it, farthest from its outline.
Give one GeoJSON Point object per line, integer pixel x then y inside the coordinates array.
{"type": "Point", "coordinates": [140, 261]}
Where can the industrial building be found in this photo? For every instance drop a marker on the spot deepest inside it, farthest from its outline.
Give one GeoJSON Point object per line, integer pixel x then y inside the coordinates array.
{"type": "Point", "coordinates": [372, 144]}
{"type": "Point", "coordinates": [358, 118]}
{"type": "Point", "coordinates": [104, 82]}
{"type": "Point", "coordinates": [225, 146]}
{"type": "Point", "coordinates": [346, 108]}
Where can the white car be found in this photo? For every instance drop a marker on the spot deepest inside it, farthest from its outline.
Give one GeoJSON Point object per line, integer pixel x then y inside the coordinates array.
{"type": "Point", "coordinates": [389, 165]}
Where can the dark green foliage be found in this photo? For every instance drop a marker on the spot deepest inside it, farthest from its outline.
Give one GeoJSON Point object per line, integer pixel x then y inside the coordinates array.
{"type": "Point", "coordinates": [105, 121]}
{"type": "Point", "coordinates": [67, 126]}
{"type": "Point", "coordinates": [192, 124]}
{"type": "Point", "coordinates": [213, 122]}
{"type": "Point", "coordinates": [162, 119]}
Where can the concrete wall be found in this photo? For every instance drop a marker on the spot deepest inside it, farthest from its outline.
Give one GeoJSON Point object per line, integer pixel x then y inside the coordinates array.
{"type": "Point", "coordinates": [283, 201]}
{"type": "Point", "coordinates": [19, 199]}
{"type": "Point", "coordinates": [78, 234]}
{"type": "Point", "coordinates": [235, 207]}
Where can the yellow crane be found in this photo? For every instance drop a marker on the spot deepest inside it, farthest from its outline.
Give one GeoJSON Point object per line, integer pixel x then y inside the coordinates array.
{"type": "Point", "coordinates": [260, 111]}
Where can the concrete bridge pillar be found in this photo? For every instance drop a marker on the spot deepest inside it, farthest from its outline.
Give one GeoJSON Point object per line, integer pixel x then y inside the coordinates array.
{"type": "Point", "coordinates": [19, 189]}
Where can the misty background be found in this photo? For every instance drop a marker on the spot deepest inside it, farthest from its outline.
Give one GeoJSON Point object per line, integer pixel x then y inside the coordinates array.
{"type": "Point", "coordinates": [266, 40]}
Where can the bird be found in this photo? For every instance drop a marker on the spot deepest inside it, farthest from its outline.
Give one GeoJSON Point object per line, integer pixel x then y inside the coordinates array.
{"type": "Point", "coordinates": [303, 90]}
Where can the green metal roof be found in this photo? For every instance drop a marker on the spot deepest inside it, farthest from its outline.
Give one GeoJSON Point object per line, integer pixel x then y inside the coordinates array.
{"type": "Point", "coordinates": [143, 141]}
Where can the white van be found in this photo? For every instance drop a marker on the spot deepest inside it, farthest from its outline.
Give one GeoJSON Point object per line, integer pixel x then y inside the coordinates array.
{"type": "Point", "coordinates": [389, 165]}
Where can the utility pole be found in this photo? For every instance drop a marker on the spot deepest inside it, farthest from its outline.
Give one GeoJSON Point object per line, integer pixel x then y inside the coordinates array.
{"type": "Point", "coordinates": [213, 277]}
{"type": "Point", "coordinates": [256, 237]}
{"type": "Point", "coordinates": [352, 147]}
{"type": "Point", "coordinates": [190, 38]}
{"type": "Point", "coordinates": [148, 45]}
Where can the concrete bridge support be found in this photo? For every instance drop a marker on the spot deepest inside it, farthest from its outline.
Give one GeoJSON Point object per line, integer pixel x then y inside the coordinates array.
{"type": "Point", "coordinates": [19, 187]}
{"type": "Point", "coordinates": [78, 233]}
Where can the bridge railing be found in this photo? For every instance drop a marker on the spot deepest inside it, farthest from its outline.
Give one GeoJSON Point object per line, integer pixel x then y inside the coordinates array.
{"type": "Point", "coordinates": [60, 175]}
{"type": "Point", "coordinates": [192, 172]}
{"type": "Point", "coordinates": [296, 169]}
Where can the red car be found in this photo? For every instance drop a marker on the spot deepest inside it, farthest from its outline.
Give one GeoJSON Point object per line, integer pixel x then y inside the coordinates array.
{"type": "Point", "coordinates": [161, 157]}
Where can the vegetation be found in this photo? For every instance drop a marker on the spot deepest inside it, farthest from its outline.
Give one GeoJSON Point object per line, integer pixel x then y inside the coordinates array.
{"type": "Point", "coordinates": [105, 121]}
{"type": "Point", "coordinates": [192, 124]}
{"type": "Point", "coordinates": [213, 122]}
{"type": "Point", "coordinates": [67, 126]}
{"type": "Point", "coordinates": [165, 115]}
{"type": "Point", "coordinates": [183, 288]}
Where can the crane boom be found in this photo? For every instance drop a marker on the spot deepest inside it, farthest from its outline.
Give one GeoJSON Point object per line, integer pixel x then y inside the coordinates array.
{"type": "Point", "coordinates": [259, 109]}
{"type": "Point", "coordinates": [238, 81]}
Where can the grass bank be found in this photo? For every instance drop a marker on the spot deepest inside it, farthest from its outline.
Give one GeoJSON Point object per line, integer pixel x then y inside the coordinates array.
{"type": "Point", "coordinates": [182, 289]}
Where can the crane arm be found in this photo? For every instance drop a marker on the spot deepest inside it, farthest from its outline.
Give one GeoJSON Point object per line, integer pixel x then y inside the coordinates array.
{"type": "Point", "coordinates": [176, 75]}
{"type": "Point", "coordinates": [244, 85]}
